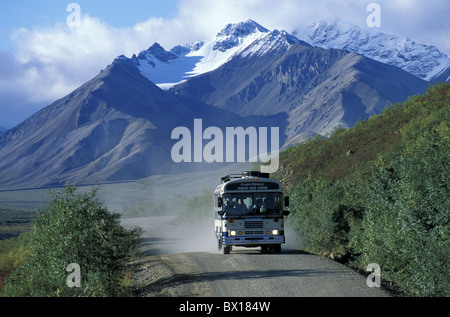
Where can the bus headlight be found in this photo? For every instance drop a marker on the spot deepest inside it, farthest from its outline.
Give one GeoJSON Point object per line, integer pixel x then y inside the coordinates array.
{"type": "Point", "coordinates": [233, 233]}
{"type": "Point", "coordinates": [275, 232]}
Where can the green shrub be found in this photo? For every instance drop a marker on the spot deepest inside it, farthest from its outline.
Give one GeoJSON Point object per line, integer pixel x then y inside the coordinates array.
{"type": "Point", "coordinates": [405, 228]}
{"type": "Point", "coordinates": [74, 228]}
{"type": "Point", "coordinates": [319, 216]}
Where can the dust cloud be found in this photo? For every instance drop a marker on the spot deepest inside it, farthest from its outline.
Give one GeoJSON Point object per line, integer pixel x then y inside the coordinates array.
{"type": "Point", "coordinates": [164, 235]}
{"type": "Point", "coordinates": [173, 230]}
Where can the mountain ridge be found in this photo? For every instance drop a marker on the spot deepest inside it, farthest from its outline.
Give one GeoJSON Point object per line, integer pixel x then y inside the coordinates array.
{"type": "Point", "coordinates": [421, 60]}
{"type": "Point", "coordinates": [189, 60]}
{"type": "Point", "coordinates": [247, 38]}
{"type": "Point", "coordinates": [86, 131]}
{"type": "Point", "coordinates": [310, 84]}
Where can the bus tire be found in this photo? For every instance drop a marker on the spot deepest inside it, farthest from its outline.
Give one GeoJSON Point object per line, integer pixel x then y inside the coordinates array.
{"type": "Point", "coordinates": [227, 249]}
{"type": "Point", "coordinates": [277, 248]}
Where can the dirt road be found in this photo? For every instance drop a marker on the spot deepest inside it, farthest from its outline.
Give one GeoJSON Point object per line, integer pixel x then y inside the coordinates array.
{"type": "Point", "coordinates": [177, 262]}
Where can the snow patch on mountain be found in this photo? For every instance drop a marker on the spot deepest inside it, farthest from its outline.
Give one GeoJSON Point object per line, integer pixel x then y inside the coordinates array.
{"type": "Point", "coordinates": [163, 67]}
{"type": "Point", "coordinates": [423, 61]}
{"type": "Point", "coordinates": [443, 75]}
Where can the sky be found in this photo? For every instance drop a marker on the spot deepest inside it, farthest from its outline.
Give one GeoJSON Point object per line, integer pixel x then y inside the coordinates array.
{"type": "Point", "coordinates": [45, 54]}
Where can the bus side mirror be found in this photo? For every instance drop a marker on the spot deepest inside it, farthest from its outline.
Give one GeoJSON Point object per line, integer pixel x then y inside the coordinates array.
{"type": "Point", "coordinates": [219, 202]}
{"type": "Point", "coordinates": [221, 213]}
{"type": "Point", "coordinates": [286, 213]}
{"type": "Point", "coordinates": [286, 201]}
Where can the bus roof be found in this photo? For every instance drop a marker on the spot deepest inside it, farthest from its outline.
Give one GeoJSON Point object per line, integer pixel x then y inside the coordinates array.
{"type": "Point", "coordinates": [248, 183]}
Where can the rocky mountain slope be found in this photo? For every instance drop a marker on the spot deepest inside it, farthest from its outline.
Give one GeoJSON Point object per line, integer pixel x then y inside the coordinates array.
{"type": "Point", "coordinates": [106, 129]}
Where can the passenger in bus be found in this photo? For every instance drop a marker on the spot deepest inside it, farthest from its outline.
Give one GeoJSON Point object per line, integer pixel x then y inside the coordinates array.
{"type": "Point", "coordinates": [228, 205]}
{"type": "Point", "coordinates": [257, 206]}
{"type": "Point", "coordinates": [240, 207]}
{"type": "Point", "coordinates": [269, 204]}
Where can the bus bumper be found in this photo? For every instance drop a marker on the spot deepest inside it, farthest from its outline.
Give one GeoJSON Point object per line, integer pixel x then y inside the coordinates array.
{"type": "Point", "coordinates": [252, 240]}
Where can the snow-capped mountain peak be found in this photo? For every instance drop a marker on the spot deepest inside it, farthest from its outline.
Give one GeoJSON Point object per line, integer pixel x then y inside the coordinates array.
{"type": "Point", "coordinates": [242, 29]}
{"type": "Point", "coordinates": [247, 39]}
{"type": "Point", "coordinates": [159, 52]}
{"type": "Point", "coordinates": [234, 35]}
{"type": "Point", "coordinates": [168, 68]}
{"type": "Point", "coordinates": [274, 42]}
{"type": "Point", "coordinates": [423, 61]}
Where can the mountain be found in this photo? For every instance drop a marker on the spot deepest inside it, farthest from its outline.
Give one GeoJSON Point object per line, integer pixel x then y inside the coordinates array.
{"type": "Point", "coordinates": [167, 68]}
{"type": "Point", "coordinates": [107, 129]}
{"type": "Point", "coordinates": [423, 61]}
{"type": "Point", "coordinates": [318, 89]}
{"type": "Point", "coordinates": [245, 49]}
{"type": "Point", "coordinates": [118, 126]}
{"type": "Point", "coordinates": [2, 130]}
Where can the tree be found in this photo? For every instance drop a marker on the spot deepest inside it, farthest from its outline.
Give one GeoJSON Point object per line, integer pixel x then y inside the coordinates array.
{"type": "Point", "coordinates": [74, 229]}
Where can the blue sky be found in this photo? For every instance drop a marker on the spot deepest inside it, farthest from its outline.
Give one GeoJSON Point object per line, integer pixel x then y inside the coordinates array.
{"type": "Point", "coordinates": [42, 59]}
{"type": "Point", "coordinates": [17, 14]}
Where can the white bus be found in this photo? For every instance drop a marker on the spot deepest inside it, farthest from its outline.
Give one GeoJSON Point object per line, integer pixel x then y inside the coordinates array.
{"type": "Point", "coordinates": [249, 212]}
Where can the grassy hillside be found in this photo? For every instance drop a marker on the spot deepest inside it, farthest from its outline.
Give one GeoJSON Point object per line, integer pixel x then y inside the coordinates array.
{"type": "Point", "coordinates": [347, 150]}
{"type": "Point", "coordinates": [379, 193]}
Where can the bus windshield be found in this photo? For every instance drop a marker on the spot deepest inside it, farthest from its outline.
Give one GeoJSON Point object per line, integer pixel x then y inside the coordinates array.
{"type": "Point", "coordinates": [248, 204]}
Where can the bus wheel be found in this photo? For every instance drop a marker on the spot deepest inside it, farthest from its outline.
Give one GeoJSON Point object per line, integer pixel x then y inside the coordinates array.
{"type": "Point", "coordinates": [227, 249]}
{"type": "Point", "coordinates": [277, 248]}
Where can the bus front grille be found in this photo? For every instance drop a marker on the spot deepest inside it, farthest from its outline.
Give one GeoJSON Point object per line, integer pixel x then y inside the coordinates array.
{"type": "Point", "coordinates": [254, 225]}
{"type": "Point", "coordinates": [254, 232]}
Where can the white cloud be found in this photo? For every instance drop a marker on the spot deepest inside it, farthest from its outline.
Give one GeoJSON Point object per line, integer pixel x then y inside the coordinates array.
{"type": "Point", "coordinates": [53, 61]}
{"type": "Point", "coordinates": [60, 58]}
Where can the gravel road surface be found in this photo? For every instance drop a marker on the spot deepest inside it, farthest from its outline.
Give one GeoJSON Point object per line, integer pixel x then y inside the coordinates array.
{"type": "Point", "coordinates": [177, 262]}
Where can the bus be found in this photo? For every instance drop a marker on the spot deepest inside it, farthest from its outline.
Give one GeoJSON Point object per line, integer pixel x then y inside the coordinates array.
{"type": "Point", "coordinates": [250, 212]}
